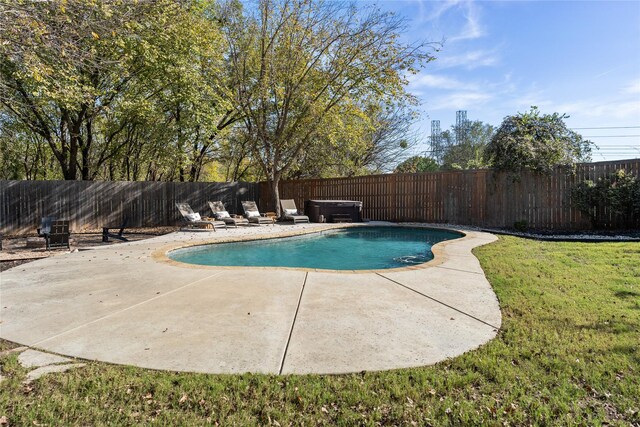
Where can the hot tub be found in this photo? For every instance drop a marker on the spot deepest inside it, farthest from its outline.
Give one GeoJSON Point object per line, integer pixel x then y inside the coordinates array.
{"type": "Point", "coordinates": [333, 210]}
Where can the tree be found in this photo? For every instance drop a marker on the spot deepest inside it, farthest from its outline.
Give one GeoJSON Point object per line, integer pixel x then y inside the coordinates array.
{"type": "Point", "coordinates": [23, 154]}
{"type": "Point", "coordinates": [387, 142]}
{"type": "Point", "coordinates": [295, 63]}
{"type": "Point", "coordinates": [417, 164]}
{"type": "Point", "coordinates": [537, 142]}
{"type": "Point", "coordinates": [360, 141]}
{"type": "Point", "coordinates": [84, 76]}
{"type": "Point", "coordinates": [234, 158]}
{"type": "Point", "coordinates": [468, 153]}
{"type": "Point", "coordinates": [55, 77]}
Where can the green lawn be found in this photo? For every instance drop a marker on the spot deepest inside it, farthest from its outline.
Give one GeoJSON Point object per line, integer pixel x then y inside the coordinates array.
{"type": "Point", "coordinates": [568, 353]}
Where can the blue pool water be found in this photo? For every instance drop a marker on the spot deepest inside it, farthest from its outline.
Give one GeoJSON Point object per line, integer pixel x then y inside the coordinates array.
{"type": "Point", "coordinates": [357, 248]}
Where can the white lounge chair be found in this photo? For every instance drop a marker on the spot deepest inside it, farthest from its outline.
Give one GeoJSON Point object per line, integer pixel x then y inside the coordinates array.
{"type": "Point", "coordinates": [221, 214]}
{"type": "Point", "coordinates": [290, 212]}
{"type": "Point", "coordinates": [254, 216]}
{"type": "Point", "coordinates": [193, 220]}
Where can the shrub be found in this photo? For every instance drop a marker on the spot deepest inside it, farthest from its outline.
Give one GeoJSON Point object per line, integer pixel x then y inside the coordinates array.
{"type": "Point", "coordinates": [618, 193]}
{"type": "Point", "coordinates": [417, 164]}
{"type": "Point", "coordinates": [522, 225]}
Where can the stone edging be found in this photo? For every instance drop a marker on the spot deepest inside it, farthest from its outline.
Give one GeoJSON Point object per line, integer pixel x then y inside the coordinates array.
{"type": "Point", "coordinates": [439, 255]}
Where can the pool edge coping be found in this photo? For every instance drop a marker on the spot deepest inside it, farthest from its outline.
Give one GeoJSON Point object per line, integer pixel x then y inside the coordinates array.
{"type": "Point", "coordinates": [160, 255]}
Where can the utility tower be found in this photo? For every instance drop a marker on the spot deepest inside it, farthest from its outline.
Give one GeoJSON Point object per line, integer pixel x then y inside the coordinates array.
{"type": "Point", "coordinates": [462, 126]}
{"type": "Point", "coordinates": [436, 141]}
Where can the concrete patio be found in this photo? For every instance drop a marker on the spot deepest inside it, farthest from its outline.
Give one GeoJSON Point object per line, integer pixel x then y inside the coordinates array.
{"type": "Point", "coordinates": [127, 304]}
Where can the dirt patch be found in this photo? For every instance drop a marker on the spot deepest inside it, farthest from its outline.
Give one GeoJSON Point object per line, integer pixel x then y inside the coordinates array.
{"type": "Point", "coordinates": [15, 251]}
{"type": "Point", "coordinates": [5, 265]}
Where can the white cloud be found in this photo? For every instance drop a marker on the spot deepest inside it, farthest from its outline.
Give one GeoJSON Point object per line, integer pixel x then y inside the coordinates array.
{"type": "Point", "coordinates": [470, 60]}
{"type": "Point", "coordinates": [603, 112]}
{"type": "Point", "coordinates": [441, 9]}
{"type": "Point", "coordinates": [523, 101]}
{"type": "Point", "coordinates": [472, 28]}
{"type": "Point", "coordinates": [633, 88]}
{"type": "Point", "coordinates": [424, 81]}
{"type": "Point", "coordinates": [443, 92]}
{"type": "Point", "coordinates": [608, 71]}
{"type": "Point", "coordinates": [463, 100]}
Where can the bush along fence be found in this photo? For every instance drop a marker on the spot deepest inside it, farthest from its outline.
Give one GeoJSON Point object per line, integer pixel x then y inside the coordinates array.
{"type": "Point", "coordinates": [560, 201]}
{"type": "Point", "coordinates": [479, 198]}
{"type": "Point", "coordinates": [93, 204]}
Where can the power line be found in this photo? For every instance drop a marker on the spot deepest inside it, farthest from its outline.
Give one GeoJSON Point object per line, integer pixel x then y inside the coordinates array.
{"type": "Point", "coordinates": [612, 136]}
{"type": "Point", "coordinates": [611, 127]}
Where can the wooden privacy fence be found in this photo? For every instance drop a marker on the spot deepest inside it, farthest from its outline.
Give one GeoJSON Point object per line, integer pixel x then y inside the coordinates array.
{"type": "Point", "coordinates": [479, 198]}
{"type": "Point", "coordinates": [93, 204]}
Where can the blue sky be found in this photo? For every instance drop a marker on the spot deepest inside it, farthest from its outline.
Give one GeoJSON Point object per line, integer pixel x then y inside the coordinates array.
{"type": "Point", "coordinates": [581, 58]}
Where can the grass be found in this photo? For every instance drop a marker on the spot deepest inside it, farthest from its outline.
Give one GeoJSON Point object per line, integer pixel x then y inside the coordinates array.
{"type": "Point", "coordinates": [568, 353]}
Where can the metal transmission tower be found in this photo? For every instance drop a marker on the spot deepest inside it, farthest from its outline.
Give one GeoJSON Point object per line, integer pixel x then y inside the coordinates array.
{"type": "Point", "coordinates": [462, 126]}
{"type": "Point", "coordinates": [436, 141]}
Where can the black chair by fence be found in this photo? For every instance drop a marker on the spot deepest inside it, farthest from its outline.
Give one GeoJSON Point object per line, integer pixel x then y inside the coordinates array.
{"type": "Point", "coordinates": [55, 232]}
{"type": "Point", "coordinates": [45, 225]}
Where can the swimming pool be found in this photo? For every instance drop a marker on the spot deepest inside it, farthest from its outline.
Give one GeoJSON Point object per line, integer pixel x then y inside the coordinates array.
{"type": "Point", "coordinates": [353, 248]}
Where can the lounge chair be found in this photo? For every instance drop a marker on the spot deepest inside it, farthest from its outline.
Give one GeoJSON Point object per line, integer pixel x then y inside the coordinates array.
{"type": "Point", "coordinates": [290, 212]}
{"type": "Point", "coordinates": [193, 220]}
{"type": "Point", "coordinates": [254, 216]}
{"type": "Point", "coordinates": [55, 232]}
{"type": "Point", "coordinates": [221, 214]}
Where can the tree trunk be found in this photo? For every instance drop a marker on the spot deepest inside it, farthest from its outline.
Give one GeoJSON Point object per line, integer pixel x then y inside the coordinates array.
{"type": "Point", "coordinates": [85, 171]}
{"type": "Point", "coordinates": [275, 194]}
{"type": "Point", "coordinates": [72, 165]}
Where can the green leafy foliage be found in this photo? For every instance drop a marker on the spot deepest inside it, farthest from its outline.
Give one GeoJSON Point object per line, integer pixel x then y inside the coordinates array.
{"type": "Point", "coordinates": [360, 141]}
{"type": "Point", "coordinates": [306, 74]}
{"type": "Point", "coordinates": [22, 154]}
{"type": "Point", "coordinates": [196, 89]}
{"type": "Point", "coordinates": [535, 141]}
{"type": "Point", "coordinates": [521, 225]}
{"type": "Point", "coordinates": [468, 152]}
{"type": "Point", "coordinates": [617, 194]}
{"type": "Point", "coordinates": [93, 80]}
{"type": "Point", "coordinates": [417, 164]}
